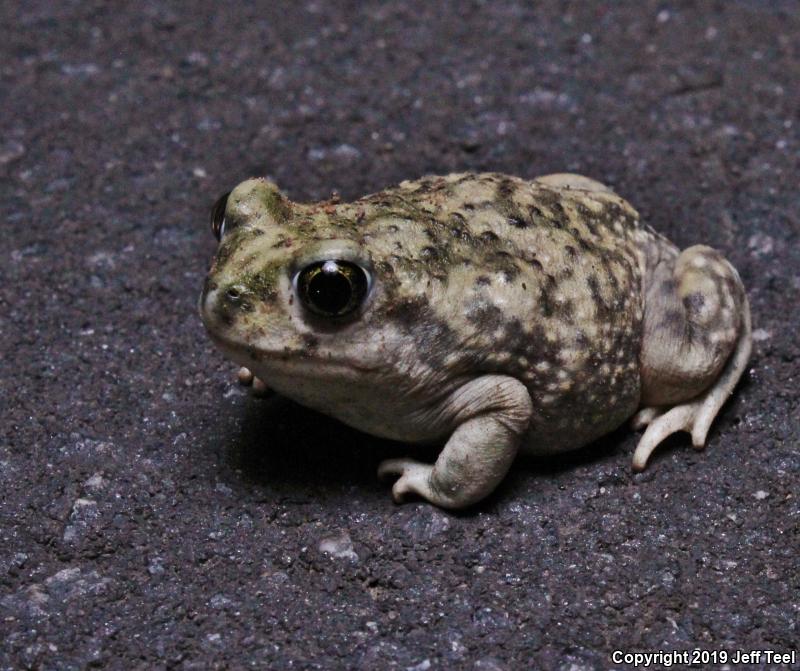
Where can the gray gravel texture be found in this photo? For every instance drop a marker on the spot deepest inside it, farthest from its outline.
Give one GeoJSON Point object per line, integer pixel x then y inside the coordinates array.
{"type": "Point", "coordinates": [155, 516]}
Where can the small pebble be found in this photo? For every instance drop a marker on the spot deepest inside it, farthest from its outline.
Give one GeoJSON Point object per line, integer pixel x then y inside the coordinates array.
{"type": "Point", "coordinates": [339, 545]}
{"type": "Point", "coordinates": [761, 334]}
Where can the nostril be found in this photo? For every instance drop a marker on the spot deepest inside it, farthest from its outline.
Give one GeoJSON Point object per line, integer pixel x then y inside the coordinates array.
{"type": "Point", "coordinates": [233, 293]}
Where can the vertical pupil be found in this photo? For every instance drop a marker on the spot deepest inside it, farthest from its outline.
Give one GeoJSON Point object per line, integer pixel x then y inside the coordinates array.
{"type": "Point", "coordinates": [332, 288]}
{"type": "Point", "coordinates": [329, 289]}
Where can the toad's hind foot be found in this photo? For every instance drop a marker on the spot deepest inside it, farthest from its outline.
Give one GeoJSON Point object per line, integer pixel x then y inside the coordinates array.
{"type": "Point", "coordinates": [645, 416]}
{"type": "Point", "coordinates": [697, 415]}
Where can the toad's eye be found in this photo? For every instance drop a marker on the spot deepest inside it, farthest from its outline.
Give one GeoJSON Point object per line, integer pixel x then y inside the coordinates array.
{"type": "Point", "coordinates": [332, 288]}
{"type": "Point", "coordinates": [218, 223]}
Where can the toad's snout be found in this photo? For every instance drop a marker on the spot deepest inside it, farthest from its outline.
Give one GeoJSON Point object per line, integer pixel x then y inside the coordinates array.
{"type": "Point", "coordinates": [221, 305]}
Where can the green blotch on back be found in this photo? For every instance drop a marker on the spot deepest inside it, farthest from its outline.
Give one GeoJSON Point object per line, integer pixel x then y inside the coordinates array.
{"type": "Point", "coordinates": [263, 284]}
{"type": "Point", "coordinates": [277, 205]}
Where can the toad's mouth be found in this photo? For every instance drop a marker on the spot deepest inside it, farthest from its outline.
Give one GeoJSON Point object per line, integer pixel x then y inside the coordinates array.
{"type": "Point", "coordinates": [306, 361]}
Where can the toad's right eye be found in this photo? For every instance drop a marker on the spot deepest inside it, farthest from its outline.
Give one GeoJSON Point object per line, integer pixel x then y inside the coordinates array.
{"type": "Point", "coordinates": [218, 223]}
{"type": "Point", "coordinates": [332, 288]}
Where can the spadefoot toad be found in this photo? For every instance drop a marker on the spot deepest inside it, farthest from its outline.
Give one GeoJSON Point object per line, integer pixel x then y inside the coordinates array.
{"type": "Point", "coordinates": [484, 312]}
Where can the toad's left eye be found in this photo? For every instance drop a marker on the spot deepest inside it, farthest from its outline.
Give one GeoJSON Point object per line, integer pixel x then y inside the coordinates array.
{"type": "Point", "coordinates": [332, 288]}
{"type": "Point", "coordinates": [218, 223]}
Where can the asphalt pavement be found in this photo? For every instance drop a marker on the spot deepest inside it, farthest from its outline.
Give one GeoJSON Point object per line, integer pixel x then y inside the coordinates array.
{"type": "Point", "coordinates": [154, 516]}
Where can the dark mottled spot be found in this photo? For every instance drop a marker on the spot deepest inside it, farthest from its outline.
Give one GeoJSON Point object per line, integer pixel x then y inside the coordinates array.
{"type": "Point", "coordinates": [310, 341]}
{"type": "Point", "coordinates": [460, 234]}
{"type": "Point", "coordinates": [539, 348]}
{"type": "Point", "coordinates": [517, 341]}
{"type": "Point", "coordinates": [409, 312]}
{"type": "Point", "coordinates": [600, 305]}
{"type": "Point", "coordinates": [484, 315]}
{"type": "Point", "coordinates": [572, 253]}
{"type": "Point", "coordinates": [233, 241]}
{"type": "Point", "coordinates": [434, 339]}
{"type": "Point", "coordinates": [384, 267]}
{"type": "Point", "coordinates": [515, 330]}
{"type": "Point", "coordinates": [590, 224]}
{"type": "Point", "coordinates": [536, 264]}
{"type": "Point", "coordinates": [488, 236]}
{"type": "Point", "coordinates": [584, 245]}
{"type": "Point", "coordinates": [673, 319]}
{"type": "Point", "coordinates": [283, 242]}
{"type": "Point", "coordinates": [225, 309]}
{"type": "Point", "coordinates": [567, 311]}
{"type": "Point", "coordinates": [483, 281]}
{"type": "Point", "coordinates": [506, 188]}
{"type": "Point", "coordinates": [545, 302]}
{"type": "Point", "coordinates": [613, 281]}
{"type": "Point", "coordinates": [507, 206]}
{"type": "Point", "coordinates": [435, 260]}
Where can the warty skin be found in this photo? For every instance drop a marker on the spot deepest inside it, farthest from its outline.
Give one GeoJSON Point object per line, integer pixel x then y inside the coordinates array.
{"type": "Point", "coordinates": [486, 313]}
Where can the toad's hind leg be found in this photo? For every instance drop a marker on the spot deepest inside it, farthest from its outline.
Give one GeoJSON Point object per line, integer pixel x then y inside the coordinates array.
{"type": "Point", "coordinates": [696, 346]}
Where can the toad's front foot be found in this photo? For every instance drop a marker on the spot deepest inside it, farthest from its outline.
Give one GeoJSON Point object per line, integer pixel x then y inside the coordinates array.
{"type": "Point", "coordinates": [490, 414]}
{"type": "Point", "coordinates": [247, 379]}
{"type": "Point", "coordinates": [414, 478]}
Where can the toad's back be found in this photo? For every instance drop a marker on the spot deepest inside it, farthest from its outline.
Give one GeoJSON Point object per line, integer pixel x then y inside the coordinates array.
{"type": "Point", "coordinates": [531, 280]}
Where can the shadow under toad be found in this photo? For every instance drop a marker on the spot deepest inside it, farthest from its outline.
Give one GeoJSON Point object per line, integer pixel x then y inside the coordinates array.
{"type": "Point", "coordinates": [283, 444]}
{"type": "Point", "coordinates": [295, 452]}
